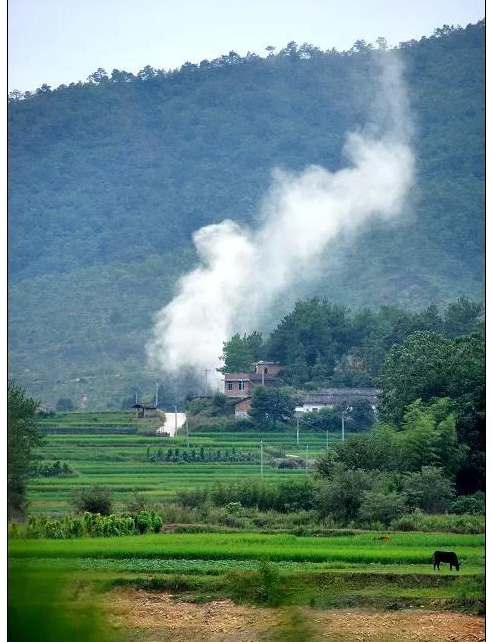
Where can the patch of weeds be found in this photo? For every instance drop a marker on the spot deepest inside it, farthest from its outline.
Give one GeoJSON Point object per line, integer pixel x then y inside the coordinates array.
{"type": "Point", "coordinates": [262, 586]}
{"type": "Point", "coordinates": [293, 626]}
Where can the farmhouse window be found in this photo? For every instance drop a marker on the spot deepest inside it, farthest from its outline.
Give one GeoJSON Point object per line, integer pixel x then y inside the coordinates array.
{"type": "Point", "coordinates": [230, 385]}
{"type": "Point", "coordinates": [241, 385]}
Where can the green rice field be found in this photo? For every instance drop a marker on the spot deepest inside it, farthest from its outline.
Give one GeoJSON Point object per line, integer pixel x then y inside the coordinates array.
{"type": "Point", "coordinates": [336, 571]}
{"type": "Point", "coordinates": [344, 569]}
{"type": "Point", "coordinates": [119, 461]}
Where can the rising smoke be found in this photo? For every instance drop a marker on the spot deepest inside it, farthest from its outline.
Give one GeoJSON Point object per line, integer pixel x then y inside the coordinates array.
{"type": "Point", "coordinates": [243, 270]}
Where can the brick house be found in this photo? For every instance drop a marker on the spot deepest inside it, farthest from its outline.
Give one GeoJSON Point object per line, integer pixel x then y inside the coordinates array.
{"type": "Point", "coordinates": [242, 384]}
{"type": "Point", "coordinates": [242, 406]}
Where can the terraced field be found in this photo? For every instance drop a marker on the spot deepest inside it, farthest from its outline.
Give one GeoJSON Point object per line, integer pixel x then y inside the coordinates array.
{"type": "Point", "coordinates": [120, 462]}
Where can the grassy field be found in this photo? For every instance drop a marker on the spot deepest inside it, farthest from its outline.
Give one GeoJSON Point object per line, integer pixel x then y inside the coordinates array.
{"type": "Point", "coordinates": [348, 569]}
{"type": "Point", "coordinates": [119, 461]}
{"type": "Point", "coordinates": [333, 571]}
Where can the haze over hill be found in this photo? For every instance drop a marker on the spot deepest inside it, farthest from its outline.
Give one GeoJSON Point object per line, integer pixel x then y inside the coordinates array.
{"type": "Point", "coordinates": [109, 179]}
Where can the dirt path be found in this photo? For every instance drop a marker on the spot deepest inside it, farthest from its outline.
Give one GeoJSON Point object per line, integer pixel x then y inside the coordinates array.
{"type": "Point", "coordinates": [153, 616]}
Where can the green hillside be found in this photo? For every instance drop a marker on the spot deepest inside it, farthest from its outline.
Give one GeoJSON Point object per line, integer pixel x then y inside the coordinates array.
{"type": "Point", "coordinates": [109, 179]}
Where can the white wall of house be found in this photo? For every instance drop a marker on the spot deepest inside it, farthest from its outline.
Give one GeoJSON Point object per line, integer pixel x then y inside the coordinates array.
{"type": "Point", "coordinates": [312, 407]}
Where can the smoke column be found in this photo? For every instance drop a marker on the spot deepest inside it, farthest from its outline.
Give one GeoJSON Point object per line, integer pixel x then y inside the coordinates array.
{"type": "Point", "coordinates": [242, 270]}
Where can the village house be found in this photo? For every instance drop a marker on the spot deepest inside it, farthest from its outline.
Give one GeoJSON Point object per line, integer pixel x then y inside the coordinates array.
{"type": "Point", "coordinates": [332, 397]}
{"type": "Point", "coordinates": [242, 406]}
{"type": "Point", "coordinates": [240, 385]}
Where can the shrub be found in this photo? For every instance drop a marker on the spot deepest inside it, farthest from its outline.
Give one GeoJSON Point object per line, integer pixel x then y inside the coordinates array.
{"type": "Point", "coordinates": [342, 494]}
{"type": "Point", "coordinates": [261, 586]}
{"type": "Point", "coordinates": [429, 490]}
{"type": "Point", "coordinates": [136, 503]}
{"type": "Point", "coordinates": [148, 522]}
{"type": "Point", "coordinates": [461, 524]}
{"type": "Point", "coordinates": [469, 504]}
{"type": "Point", "coordinates": [57, 469]}
{"type": "Point", "coordinates": [382, 507]}
{"type": "Point", "coordinates": [269, 590]}
{"type": "Point", "coordinates": [96, 499]}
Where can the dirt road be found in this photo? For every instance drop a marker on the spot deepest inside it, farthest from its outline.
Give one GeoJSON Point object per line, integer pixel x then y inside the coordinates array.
{"type": "Point", "coordinates": [147, 616]}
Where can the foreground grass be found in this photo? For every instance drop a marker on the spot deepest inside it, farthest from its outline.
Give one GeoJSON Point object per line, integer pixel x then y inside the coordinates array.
{"type": "Point", "coordinates": [250, 568]}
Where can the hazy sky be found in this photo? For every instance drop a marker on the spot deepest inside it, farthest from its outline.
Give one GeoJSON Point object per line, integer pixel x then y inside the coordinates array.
{"type": "Point", "coordinates": [63, 41]}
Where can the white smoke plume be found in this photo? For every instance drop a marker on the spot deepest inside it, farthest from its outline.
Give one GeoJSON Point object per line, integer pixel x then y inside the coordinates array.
{"type": "Point", "coordinates": [242, 270]}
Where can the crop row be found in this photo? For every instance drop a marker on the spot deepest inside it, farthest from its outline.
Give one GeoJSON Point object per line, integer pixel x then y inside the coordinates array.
{"type": "Point", "coordinates": [404, 548]}
{"type": "Point", "coordinates": [207, 567]}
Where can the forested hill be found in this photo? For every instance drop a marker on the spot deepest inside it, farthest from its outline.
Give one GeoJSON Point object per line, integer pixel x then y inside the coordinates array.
{"type": "Point", "coordinates": [109, 178]}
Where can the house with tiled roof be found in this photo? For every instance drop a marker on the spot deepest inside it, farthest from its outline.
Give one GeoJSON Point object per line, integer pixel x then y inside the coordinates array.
{"type": "Point", "coordinates": [332, 397]}
{"type": "Point", "coordinates": [239, 386]}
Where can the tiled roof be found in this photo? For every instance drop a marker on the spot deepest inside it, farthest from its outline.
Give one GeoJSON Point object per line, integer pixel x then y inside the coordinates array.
{"type": "Point", "coordinates": [335, 395]}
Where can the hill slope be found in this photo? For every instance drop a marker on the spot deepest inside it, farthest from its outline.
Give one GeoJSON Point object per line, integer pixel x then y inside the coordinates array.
{"type": "Point", "coordinates": [108, 179]}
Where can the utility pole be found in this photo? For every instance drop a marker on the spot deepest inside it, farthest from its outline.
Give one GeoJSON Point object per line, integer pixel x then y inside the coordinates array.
{"type": "Point", "coordinates": [188, 439]}
{"type": "Point", "coordinates": [157, 392]}
{"type": "Point", "coordinates": [261, 458]}
{"type": "Point", "coordinates": [348, 410]}
{"type": "Point", "coordinates": [136, 398]}
{"type": "Point", "coordinates": [306, 461]}
{"type": "Point", "coordinates": [297, 431]}
{"type": "Point", "coordinates": [263, 376]}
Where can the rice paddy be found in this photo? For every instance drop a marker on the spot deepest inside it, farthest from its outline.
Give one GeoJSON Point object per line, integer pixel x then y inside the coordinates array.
{"type": "Point", "coordinates": [345, 569]}
{"type": "Point", "coordinates": [120, 461]}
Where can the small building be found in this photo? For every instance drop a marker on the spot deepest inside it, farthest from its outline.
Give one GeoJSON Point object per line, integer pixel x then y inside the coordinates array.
{"type": "Point", "coordinates": [242, 406]}
{"type": "Point", "coordinates": [242, 384]}
{"type": "Point", "coordinates": [145, 410]}
{"type": "Point", "coordinates": [332, 397]}
{"type": "Point", "coordinates": [268, 367]}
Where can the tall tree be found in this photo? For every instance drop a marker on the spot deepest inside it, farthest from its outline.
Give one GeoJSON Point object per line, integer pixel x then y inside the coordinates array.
{"type": "Point", "coordinates": [23, 436]}
{"type": "Point", "coordinates": [240, 353]}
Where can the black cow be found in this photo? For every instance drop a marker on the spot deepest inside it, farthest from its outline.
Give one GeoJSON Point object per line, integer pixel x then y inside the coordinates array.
{"type": "Point", "coordinates": [448, 557]}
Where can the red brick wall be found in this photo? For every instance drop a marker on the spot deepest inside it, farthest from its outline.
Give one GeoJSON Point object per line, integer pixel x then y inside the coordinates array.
{"type": "Point", "coordinates": [242, 407]}
{"type": "Point", "coordinates": [272, 368]}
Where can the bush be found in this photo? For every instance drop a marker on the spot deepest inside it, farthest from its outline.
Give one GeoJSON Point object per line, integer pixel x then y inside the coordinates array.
{"type": "Point", "coordinates": [148, 522]}
{"type": "Point", "coordinates": [261, 586]}
{"type": "Point", "coordinates": [57, 469]}
{"type": "Point", "coordinates": [342, 494]}
{"type": "Point", "coordinates": [90, 524]}
{"type": "Point", "coordinates": [382, 507]}
{"type": "Point", "coordinates": [429, 490]}
{"type": "Point", "coordinates": [469, 504]}
{"type": "Point", "coordinates": [97, 499]}
{"type": "Point", "coordinates": [461, 524]}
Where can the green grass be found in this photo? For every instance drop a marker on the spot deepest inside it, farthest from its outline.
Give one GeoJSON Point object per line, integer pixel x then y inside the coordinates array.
{"type": "Point", "coordinates": [326, 572]}
{"type": "Point", "coordinates": [119, 461]}
{"type": "Point", "coordinates": [405, 548]}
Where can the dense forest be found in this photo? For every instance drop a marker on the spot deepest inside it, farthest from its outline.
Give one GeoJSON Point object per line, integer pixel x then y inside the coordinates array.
{"type": "Point", "coordinates": [109, 178]}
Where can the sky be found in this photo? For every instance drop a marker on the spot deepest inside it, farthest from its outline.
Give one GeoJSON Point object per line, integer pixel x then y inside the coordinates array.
{"type": "Point", "coordinates": [63, 41]}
